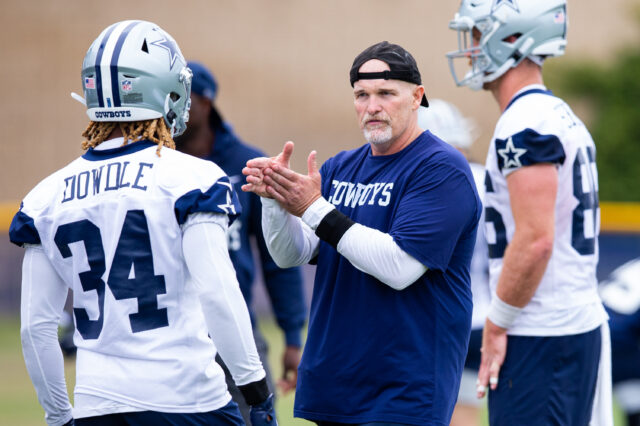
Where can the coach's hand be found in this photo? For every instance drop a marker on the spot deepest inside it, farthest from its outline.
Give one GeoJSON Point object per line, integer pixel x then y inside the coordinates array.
{"type": "Point", "coordinates": [295, 192]}
{"type": "Point", "coordinates": [263, 414]}
{"type": "Point", "coordinates": [254, 170]}
{"type": "Point", "coordinates": [494, 349]}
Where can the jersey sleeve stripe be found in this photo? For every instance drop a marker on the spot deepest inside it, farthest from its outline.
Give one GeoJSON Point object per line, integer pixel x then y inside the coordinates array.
{"type": "Point", "coordinates": [23, 230]}
{"type": "Point", "coordinates": [528, 147]}
{"type": "Point", "coordinates": [219, 198]}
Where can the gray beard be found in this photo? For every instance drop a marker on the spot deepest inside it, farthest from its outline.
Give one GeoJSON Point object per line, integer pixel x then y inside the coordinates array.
{"type": "Point", "coordinates": [378, 136]}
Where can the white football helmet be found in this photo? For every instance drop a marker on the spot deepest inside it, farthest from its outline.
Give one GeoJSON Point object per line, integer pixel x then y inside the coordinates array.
{"type": "Point", "coordinates": [135, 71]}
{"type": "Point", "coordinates": [539, 28]}
{"type": "Point", "coordinates": [446, 122]}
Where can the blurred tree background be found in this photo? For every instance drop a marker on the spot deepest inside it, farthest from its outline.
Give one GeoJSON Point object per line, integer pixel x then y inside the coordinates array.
{"type": "Point", "coordinates": [609, 92]}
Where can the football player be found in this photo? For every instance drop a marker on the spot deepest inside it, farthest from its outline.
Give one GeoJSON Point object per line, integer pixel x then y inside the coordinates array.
{"type": "Point", "coordinates": [545, 347]}
{"type": "Point", "coordinates": [444, 120]}
{"type": "Point", "coordinates": [138, 231]}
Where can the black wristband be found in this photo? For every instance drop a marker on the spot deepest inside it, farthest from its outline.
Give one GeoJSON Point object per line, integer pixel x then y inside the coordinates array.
{"type": "Point", "coordinates": [333, 226]}
{"type": "Point", "coordinates": [255, 392]}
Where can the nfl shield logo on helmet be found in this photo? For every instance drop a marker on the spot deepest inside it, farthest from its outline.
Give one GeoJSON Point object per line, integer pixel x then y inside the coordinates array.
{"type": "Point", "coordinates": [127, 85]}
{"type": "Point", "coordinates": [89, 83]}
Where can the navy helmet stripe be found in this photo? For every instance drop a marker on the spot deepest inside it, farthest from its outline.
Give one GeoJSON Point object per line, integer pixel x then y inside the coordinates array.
{"type": "Point", "coordinates": [103, 43]}
{"type": "Point", "coordinates": [115, 88]}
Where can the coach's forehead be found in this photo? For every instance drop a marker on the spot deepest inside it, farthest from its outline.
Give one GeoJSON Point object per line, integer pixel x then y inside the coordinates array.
{"type": "Point", "coordinates": [374, 65]}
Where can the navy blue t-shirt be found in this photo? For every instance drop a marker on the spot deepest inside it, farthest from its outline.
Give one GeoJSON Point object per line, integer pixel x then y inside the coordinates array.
{"type": "Point", "coordinates": [378, 354]}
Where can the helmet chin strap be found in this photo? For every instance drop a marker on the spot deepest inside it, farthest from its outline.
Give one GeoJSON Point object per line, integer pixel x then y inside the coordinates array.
{"type": "Point", "coordinates": [168, 112]}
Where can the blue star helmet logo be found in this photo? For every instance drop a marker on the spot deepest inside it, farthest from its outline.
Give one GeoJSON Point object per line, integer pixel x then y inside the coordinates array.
{"type": "Point", "coordinates": [171, 47]}
{"type": "Point", "coordinates": [511, 3]}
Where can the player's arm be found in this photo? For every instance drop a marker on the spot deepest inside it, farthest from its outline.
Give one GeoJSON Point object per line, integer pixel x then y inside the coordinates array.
{"type": "Point", "coordinates": [42, 302]}
{"type": "Point", "coordinates": [532, 191]}
{"type": "Point", "coordinates": [206, 254]}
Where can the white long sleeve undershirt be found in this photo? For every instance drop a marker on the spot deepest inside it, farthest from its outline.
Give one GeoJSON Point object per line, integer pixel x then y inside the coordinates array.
{"type": "Point", "coordinates": [292, 242]}
{"type": "Point", "coordinates": [42, 302]}
{"type": "Point", "coordinates": [225, 311]}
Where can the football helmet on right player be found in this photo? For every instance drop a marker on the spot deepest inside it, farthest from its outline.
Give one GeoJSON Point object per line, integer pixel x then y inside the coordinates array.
{"type": "Point", "coordinates": [135, 71]}
{"type": "Point", "coordinates": [506, 32]}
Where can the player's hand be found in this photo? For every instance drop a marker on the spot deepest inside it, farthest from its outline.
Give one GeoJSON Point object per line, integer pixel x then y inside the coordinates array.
{"type": "Point", "coordinates": [290, 362]}
{"type": "Point", "coordinates": [254, 170]}
{"type": "Point", "coordinates": [494, 349]}
{"type": "Point", "coordinates": [263, 414]}
{"type": "Point", "coordinates": [295, 192]}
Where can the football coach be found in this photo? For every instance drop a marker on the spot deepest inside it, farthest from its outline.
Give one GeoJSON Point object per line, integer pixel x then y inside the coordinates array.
{"type": "Point", "coordinates": [391, 226]}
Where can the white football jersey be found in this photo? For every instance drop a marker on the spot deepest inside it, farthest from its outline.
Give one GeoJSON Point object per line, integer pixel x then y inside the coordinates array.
{"type": "Point", "coordinates": [538, 127]}
{"type": "Point", "coordinates": [110, 224]}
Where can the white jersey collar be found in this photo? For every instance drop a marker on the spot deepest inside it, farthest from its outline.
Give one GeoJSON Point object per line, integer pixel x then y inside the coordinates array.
{"type": "Point", "coordinates": [110, 144]}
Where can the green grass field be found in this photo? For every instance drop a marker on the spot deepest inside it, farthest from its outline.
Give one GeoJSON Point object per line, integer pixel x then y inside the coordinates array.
{"type": "Point", "coordinates": [19, 405]}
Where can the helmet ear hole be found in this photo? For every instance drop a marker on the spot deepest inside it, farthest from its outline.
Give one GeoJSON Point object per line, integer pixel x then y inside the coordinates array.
{"type": "Point", "coordinates": [512, 38]}
{"type": "Point", "coordinates": [174, 96]}
{"type": "Point", "coordinates": [144, 47]}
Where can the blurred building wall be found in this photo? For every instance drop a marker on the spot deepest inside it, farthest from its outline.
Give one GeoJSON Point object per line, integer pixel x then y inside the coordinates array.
{"type": "Point", "coordinates": [282, 66]}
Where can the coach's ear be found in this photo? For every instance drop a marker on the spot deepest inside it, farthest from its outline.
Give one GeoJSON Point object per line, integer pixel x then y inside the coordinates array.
{"type": "Point", "coordinates": [418, 94]}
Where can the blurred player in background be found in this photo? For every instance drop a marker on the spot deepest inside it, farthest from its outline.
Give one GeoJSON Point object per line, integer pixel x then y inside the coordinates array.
{"type": "Point", "coordinates": [138, 231]}
{"type": "Point", "coordinates": [209, 137]}
{"type": "Point", "coordinates": [445, 121]}
{"type": "Point", "coordinates": [545, 348]}
{"type": "Point", "coordinates": [621, 297]}
{"type": "Point", "coordinates": [391, 309]}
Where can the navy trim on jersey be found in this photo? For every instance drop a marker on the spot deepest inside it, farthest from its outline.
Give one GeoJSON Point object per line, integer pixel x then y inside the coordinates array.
{"type": "Point", "coordinates": [528, 147]}
{"type": "Point", "coordinates": [220, 198]}
{"type": "Point", "coordinates": [528, 92]}
{"type": "Point", "coordinates": [488, 183]}
{"type": "Point", "coordinates": [103, 43]}
{"type": "Point", "coordinates": [115, 86]}
{"type": "Point", "coordinates": [105, 154]}
{"type": "Point", "coordinates": [23, 230]}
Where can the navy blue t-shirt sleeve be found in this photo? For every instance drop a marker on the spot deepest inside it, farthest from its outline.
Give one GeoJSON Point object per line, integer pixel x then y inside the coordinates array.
{"type": "Point", "coordinates": [439, 206]}
{"type": "Point", "coordinates": [528, 147]}
{"type": "Point", "coordinates": [219, 198]}
{"type": "Point", "coordinates": [23, 230]}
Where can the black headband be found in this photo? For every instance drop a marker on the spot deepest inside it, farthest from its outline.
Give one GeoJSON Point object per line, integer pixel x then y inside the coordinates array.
{"type": "Point", "coordinates": [386, 75]}
{"type": "Point", "coordinates": [402, 66]}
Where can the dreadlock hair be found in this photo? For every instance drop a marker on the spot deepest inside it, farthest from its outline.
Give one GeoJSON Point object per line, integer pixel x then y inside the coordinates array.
{"type": "Point", "coordinates": [155, 130]}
